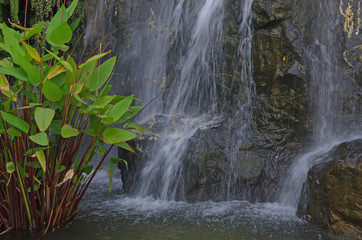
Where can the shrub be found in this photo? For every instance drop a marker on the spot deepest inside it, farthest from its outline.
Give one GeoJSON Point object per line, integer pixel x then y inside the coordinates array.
{"type": "Point", "coordinates": [48, 105]}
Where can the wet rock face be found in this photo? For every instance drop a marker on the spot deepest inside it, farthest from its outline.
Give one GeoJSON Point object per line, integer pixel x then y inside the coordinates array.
{"type": "Point", "coordinates": [332, 195]}
{"type": "Point", "coordinates": [281, 81]}
{"type": "Point", "coordinates": [279, 115]}
{"type": "Point", "coordinates": [205, 165]}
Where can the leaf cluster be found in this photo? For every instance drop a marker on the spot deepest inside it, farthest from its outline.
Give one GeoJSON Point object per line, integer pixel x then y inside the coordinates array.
{"type": "Point", "coordinates": [50, 108]}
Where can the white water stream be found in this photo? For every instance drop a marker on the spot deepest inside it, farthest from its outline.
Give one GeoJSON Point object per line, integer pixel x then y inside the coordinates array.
{"type": "Point", "coordinates": [328, 95]}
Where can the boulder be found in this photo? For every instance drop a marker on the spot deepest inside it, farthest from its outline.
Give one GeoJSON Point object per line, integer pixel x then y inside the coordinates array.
{"type": "Point", "coordinates": [332, 195]}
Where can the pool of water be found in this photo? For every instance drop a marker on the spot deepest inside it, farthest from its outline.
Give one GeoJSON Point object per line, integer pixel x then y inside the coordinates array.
{"type": "Point", "coordinates": [117, 216]}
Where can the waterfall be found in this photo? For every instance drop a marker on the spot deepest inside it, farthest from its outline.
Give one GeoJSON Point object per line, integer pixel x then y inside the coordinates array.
{"type": "Point", "coordinates": [171, 55]}
{"type": "Point", "coordinates": [242, 119]}
{"type": "Point", "coordinates": [190, 42]}
{"type": "Point", "coordinates": [329, 92]}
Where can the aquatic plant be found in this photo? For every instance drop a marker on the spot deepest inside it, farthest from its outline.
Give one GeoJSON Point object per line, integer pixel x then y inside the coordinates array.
{"type": "Point", "coordinates": [50, 106]}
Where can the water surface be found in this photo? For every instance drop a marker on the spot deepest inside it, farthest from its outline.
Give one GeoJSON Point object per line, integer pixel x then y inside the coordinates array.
{"type": "Point", "coordinates": [118, 216]}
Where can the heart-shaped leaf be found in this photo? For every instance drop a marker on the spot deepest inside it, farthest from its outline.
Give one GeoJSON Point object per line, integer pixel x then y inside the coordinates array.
{"type": "Point", "coordinates": [43, 117]}
{"type": "Point", "coordinates": [68, 132]}
{"type": "Point", "coordinates": [10, 167]}
{"type": "Point", "coordinates": [40, 139]}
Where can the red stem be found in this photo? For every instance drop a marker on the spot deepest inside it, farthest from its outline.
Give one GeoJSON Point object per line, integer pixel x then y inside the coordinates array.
{"type": "Point", "coordinates": [4, 222]}
{"type": "Point", "coordinates": [26, 10]}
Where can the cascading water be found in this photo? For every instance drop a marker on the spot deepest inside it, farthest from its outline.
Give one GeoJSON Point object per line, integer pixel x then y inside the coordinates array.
{"type": "Point", "coordinates": [171, 53]}
{"type": "Point", "coordinates": [190, 94]}
{"type": "Point", "coordinates": [329, 93]}
{"type": "Point", "coordinates": [242, 120]}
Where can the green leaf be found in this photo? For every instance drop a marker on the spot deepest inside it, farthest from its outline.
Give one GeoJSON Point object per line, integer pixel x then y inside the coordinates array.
{"type": "Point", "coordinates": [29, 32]}
{"type": "Point", "coordinates": [132, 111]}
{"type": "Point", "coordinates": [107, 120]}
{"type": "Point", "coordinates": [31, 71]}
{"type": "Point", "coordinates": [56, 126]}
{"type": "Point", "coordinates": [102, 102]}
{"type": "Point", "coordinates": [33, 53]}
{"type": "Point", "coordinates": [61, 34]}
{"type": "Point", "coordinates": [11, 97]}
{"type": "Point", "coordinates": [131, 125]}
{"type": "Point", "coordinates": [37, 180]}
{"type": "Point", "coordinates": [41, 158]}
{"type": "Point", "coordinates": [126, 146]}
{"type": "Point", "coordinates": [68, 132]}
{"type": "Point", "coordinates": [49, 56]}
{"type": "Point", "coordinates": [75, 179]}
{"type": "Point", "coordinates": [51, 91]}
{"type": "Point", "coordinates": [58, 169]}
{"type": "Point", "coordinates": [10, 167]}
{"type": "Point", "coordinates": [101, 149]}
{"type": "Point", "coordinates": [101, 74]}
{"type": "Point", "coordinates": [70, 75]}
{"type": "Point", "coordinates": [116, 135]}
{"type": "Point", "coordinates": [71, 8]}
{"type": "Point", "coordinates": [14, 132]}
{"type": "Point", "coordinates": [40, 139]}
{"type": "Point", "coordinates": [36, 187]}
{"type": "Point", "coordinates": [94, 58]}
{"type": "Point", "coordinates": [43, 117]}
{"type": "Point", "coordinates": [6, 62]}
{"type": "Point", "coordinates": [76, 163]}
{"type": "Point", "coordinates": [15, 72]}
{"type": "Point", "coordinates": [60, 17]}
{"type": "Point", "coordinates": [76, 88]}
{"type": "Point", "coordinates": [11, 41]}
{"type": "Point", "coordinates": [61, 60]}
{"type": "Point", "coordinates": [55, 71]}
{"type": "Point", "coordinates": [88, 169]}
{"type": "Point", "coordinates": [75, 24]}
{"type": "Point", "coordinates": [116, 160]}
{"type": "Point", "coordinates": [79, 99]}
{"type": "Point", "coordinates": [15, 122]}
{"type": "Point", "coordinates": [32, 31]}
{"type": "Point", "coordinates": [112, 167]}
{"type": "Point", "coordinates": [120, 108]}
{"type": "Point", "coordinates": [105, 91]}
{"type": "Point", "coordinates": [22, 171]}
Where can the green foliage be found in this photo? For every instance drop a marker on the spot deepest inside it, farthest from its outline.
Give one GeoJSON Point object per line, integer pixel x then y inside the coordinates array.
{"type": "Point", "coordinates": [45, 115]}
{"type": "Point", "coordinates": [13, 6]}
{"type": "Point", "coordinates": [14, 10]}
